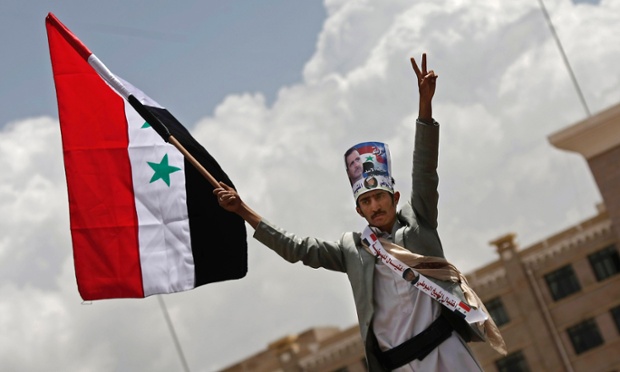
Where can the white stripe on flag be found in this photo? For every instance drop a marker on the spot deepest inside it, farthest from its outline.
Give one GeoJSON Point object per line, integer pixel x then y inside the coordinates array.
{"type": "Point", "coordinates": [164, 236]}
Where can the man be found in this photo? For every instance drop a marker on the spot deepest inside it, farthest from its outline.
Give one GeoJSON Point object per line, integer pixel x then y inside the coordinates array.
{"type": "Point", "coordinates": [390, 310]}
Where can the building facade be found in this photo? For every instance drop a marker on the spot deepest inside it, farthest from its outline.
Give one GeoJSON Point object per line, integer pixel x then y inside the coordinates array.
{"type": "Point", "coordinates": [557, 302]}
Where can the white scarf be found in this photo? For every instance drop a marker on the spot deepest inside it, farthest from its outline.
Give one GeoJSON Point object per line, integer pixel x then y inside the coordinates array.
{"type": "Point", "coordinates": [404, 262]}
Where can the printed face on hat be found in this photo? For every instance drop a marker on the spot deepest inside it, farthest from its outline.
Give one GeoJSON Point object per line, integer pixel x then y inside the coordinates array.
{"type": "Point", "coordinates": [370, 183]}
{"type": "Point", "coordinates": [354, 166]}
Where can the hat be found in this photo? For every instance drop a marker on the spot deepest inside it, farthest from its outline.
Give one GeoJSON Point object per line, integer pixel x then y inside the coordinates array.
{"type": "Point", "coordinates": [368, 167]}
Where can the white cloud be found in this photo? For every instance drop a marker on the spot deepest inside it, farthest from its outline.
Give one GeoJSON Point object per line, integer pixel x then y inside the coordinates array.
{"type": "Point", "coordinates": [33, 197]}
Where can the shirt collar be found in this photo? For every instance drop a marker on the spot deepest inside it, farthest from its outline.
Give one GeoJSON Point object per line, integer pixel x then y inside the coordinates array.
{"type": "Point", "coordinates": [383, 234]}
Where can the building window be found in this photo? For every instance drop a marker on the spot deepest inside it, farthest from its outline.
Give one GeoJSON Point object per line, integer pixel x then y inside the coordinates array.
{"type": "Point", "coordinates": [562, 282]}
{"type": "Point", "coordinates": [497, 311]}
{"type": "Point", "coordinates": [585, 336]}
{"type": "Point", "coordinates": [605, 262]}
{"type": "Point", "coordinates": [514, 362]}
{"type": "Point", "coordinates": [615, 313]}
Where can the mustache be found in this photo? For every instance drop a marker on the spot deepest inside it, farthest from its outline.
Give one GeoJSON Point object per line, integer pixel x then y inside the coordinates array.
{"type": "Point", "coordinates": [379, 212]}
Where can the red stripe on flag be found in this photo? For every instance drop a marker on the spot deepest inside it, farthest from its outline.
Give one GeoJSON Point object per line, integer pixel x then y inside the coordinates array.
{"type": "Point", "coordinates": [104, 224]}
{"type": "Point", "coordinates": [51, 20]}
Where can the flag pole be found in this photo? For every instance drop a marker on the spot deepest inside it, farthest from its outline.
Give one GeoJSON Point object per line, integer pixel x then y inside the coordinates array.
{"type": "Point", "coordinates": [193, 161]}
{"type": "Point", "coordinates": [175, 339]}
{"type": "Point", "coordinates": [564, 58]}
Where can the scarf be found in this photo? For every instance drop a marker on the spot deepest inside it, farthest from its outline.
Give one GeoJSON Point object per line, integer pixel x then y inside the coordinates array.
{"type": "Point", "coordinates": [439, 268]}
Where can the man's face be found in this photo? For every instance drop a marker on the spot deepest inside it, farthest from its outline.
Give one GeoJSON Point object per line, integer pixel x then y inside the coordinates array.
{"type": "Point", "coordinates": [354, 166]}
{"type": "Point", "coordinates": [378, 208]}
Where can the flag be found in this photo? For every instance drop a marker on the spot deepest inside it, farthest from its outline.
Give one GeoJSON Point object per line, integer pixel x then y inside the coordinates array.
{"type": "Point", "coordinates": [143, 220]}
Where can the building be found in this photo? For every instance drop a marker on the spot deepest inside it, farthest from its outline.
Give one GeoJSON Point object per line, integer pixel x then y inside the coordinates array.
{"type": "Point", "coordinates": [317, 349]}
{"type": "Point", "coordinates": [557, 302]}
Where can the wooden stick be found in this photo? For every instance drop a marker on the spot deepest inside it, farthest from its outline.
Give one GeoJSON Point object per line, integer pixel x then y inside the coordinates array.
{"type": "Point", "coordinates": [194, 162]}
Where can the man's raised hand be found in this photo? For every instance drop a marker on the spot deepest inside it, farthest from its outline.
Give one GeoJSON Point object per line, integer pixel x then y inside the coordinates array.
{"type": "Point", "coordinates": [426, 86]}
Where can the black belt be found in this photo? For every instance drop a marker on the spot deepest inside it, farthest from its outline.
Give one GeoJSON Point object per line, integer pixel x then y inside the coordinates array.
{"type": "Point", "coordinates": [419, 346]}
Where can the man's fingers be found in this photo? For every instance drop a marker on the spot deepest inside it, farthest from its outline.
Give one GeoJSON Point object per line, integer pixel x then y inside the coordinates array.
{"type": "Point", "coordinates": [225, 194]}
{"type": "Point", "coordinates": [225, 186]}
{"type": "Point", "coordinates": [431, 75]}
{"type": "Point", "coordinates": [422, 74]}
{"type": "Point", "coordinates": [415, 68]}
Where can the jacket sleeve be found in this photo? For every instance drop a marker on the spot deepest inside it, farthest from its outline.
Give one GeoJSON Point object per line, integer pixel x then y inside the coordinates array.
{"type": "Point", "coordinates": [311, 251]}
{"type": "Point", "coordinates": [424, 195]}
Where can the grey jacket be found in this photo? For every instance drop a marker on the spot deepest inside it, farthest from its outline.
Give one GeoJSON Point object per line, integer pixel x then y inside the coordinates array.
{"type": "Point", "coordinates": [415, 230]}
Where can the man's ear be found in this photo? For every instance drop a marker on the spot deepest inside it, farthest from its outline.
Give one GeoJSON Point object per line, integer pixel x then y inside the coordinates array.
{"type": "Point", "coordinates": [396, 197]}
{"type": "Point", "coordinates": [359, 211]}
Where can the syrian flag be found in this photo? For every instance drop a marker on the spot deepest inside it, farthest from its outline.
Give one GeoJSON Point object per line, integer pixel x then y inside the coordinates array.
{"type": "Point", "coordinates": [144, 221]}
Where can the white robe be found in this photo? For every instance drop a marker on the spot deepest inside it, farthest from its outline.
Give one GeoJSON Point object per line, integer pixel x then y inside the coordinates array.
{"type": "Point", "coordinates": [402, 311]}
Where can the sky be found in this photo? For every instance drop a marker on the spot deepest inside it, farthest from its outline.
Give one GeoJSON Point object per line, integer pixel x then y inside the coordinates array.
{"type": "Point", "coordinates": [277, 91]}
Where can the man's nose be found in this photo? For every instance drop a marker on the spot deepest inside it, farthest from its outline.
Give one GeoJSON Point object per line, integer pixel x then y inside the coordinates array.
{"type": "Point", "coordinates": [374, 205]}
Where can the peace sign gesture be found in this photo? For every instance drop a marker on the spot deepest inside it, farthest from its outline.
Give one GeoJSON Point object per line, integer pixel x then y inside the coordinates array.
{"type": "Point", "coordinates": [426, 86]}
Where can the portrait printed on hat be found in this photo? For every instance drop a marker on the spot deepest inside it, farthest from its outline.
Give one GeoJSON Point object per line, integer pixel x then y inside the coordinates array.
{"type": "Point", "coordinates": [368, 168]}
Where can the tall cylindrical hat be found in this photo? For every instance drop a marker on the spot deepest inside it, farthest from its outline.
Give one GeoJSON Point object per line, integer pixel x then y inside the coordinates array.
{"type": "Point", "coordinates": [368, 166]}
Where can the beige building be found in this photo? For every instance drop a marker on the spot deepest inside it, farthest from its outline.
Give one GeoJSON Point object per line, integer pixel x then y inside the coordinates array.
{"type": "Point", "coordinates": [557, 302]}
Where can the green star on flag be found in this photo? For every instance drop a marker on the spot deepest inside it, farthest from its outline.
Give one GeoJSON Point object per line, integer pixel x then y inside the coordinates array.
{"type": "Point", "coordinates": [369, 158]}
{"type": "Point", "coordinates": [162, 170]}
{"type": "Point", "coordinates": [145, 125]}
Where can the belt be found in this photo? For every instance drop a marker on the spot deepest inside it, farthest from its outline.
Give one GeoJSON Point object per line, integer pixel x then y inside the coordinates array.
{"type": "Point", "coordinates": [419, 346]}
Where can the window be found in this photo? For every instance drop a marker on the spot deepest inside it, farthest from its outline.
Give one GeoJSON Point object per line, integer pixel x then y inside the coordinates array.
{"type": "Point", "coordinates": [514, 362]}
{"type": "Point", "coordinates": [605, 263]}
{"type": "Point", "coordinates": [562, 282]}
{"type": "Point", "coordinates": [585, 336]}
{"type": "Point", "coordinates": [497, 311]}
{"type": "Point", "coordinates": [615, 313]}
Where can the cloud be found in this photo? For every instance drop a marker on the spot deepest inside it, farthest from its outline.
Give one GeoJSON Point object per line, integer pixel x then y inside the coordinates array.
{"type": "Point", "coordinates": [502, 90]}
{"type": "Point", "coordinates": [33, 197]}
{"type": "Point", "coordinates": [41, 307]}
